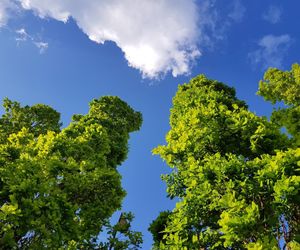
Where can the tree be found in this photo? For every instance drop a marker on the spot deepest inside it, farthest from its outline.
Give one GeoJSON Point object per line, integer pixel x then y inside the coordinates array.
{"type": "Point", "coordinates": [235, 174]}
{"type": "Point", "coordinates": [284, 86]}
{"type": "Point", "coordinates": [59, 187]}
{"type": "Point", "coordinates": [157, 228]}
{"type": "Point", "coordinates": [120, 236]}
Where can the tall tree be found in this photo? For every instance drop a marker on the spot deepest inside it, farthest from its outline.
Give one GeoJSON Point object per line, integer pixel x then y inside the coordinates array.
{"type": "Point", "coordinates": [236, 175]}
{"type": "Point", "coordinates": [59, 187]}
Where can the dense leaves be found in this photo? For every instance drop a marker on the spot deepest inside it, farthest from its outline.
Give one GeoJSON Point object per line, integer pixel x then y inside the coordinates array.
{"type": "Point", "coordinates": [59, 187]}
{"type": "Point", "coordinates": [284, 86]}
{"type": "Point", "coordinates": [237, 176]}
{"type": "Point", "coordinates": [38, 119]}
{"type": "Point", "coordinates": [157, 228]}
{"type": "Point", "coordinates": [120, 236]}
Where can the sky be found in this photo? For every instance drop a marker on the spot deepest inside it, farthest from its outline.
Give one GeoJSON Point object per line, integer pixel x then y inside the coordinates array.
{"type": "Point", "coordinates": [65, 53]}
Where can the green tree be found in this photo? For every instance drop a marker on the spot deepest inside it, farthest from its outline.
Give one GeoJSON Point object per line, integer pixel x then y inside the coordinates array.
{"type": "Point", "coordinates": [120, 236]}
{"type": "Point", "coordinates": [38, 119]}
{"type": "Point", "coordinates": [58, 188]}
{"type": "Point", "coordinates": [157, 228]}
{"type": "Point", "coordinates": [235, 174]}
{"type": "Point", "coordinates": [284, 86]}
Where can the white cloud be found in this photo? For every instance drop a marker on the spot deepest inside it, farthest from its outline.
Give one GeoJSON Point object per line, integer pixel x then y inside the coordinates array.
{"type": "Point", "coordinates": [238, 11]}
{"type": "Point", "coordinates": [23, 36]}
{"type": "Point", "coordinates": [6, 9]}
{"type": "Point", "coordinates": [42, 46]}
{"type": "Point", "coordinates": [271, 52]}
{"type": "Point", "coordinates": [156, 36]}
{"type": "Point", "coordinates": [273, 14]}
{"type": "Point", "coordinates": [217, 20]}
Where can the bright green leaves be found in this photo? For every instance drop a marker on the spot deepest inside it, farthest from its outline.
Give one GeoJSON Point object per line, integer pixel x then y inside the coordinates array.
{"type": "Point", "coordinates": [207, 118]}
{"type": "Point", "coordinates": [60, 187]}
{"type": "Point", "coordinates": [9, 209]}
{"type": "Point", "coordinates": [281, 86]}
{"type": "Point", "coordinates": [232, 196]}
{"type": "Point", "coordinates": [236, 174]}
{"type": "Point", "coordinates": [238, 222]}
{"type": "Point", "coordinates": [284, 86]}
{"type": "Point", "coordinates": [38, 119]}
{"type": "Point", "coordinates": [265, 243]}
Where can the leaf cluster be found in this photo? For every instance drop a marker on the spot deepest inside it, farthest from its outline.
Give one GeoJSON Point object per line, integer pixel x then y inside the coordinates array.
{"type": "Point", "coordinates": [236, 174]}
{"type": "Point", "coordinates": [59, 187]}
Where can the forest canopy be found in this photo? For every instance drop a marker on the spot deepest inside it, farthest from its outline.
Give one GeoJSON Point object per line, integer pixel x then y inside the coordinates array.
{"type": "Point", "coordinates": [235, 175]}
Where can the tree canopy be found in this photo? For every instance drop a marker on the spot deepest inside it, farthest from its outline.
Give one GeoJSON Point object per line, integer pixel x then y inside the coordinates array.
{"type": "Point", "coordinates": [58, 188]}
{"type": "Point", "coordinates": [284, 86]}
{"type": "Point", "coordinates": [236, 175]}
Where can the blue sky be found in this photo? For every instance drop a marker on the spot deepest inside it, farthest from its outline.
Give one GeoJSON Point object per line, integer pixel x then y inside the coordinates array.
{"type": "Point", "coordinates": [65, 53]}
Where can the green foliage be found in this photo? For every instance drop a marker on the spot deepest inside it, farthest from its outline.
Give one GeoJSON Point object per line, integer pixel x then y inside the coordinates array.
{"type": "Point", "coordinates": [158, 226]}
{"type": "Point", "coordinates": [281, 85]}
{"type": "Point", "coordinates": [120, 236]}
{"type": "Point", "coordinates": [59, 187]}
{"type": "Point", "coordinates": [236, 174]}
{"type": "Point", "coordinates": [38, 119]}
{"type": "Point", "coordinates": [284, 86]}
